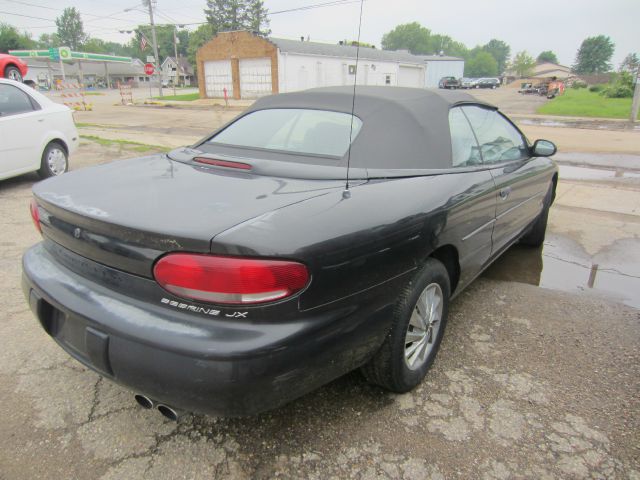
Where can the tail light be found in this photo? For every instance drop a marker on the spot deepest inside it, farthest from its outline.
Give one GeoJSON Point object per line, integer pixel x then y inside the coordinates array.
{"type": "Point", "coordinates": [230, 280]}
{"type": "Point", "coordinates": [222, 163]}
{"type": "Point", "coordinates": [35, 215]}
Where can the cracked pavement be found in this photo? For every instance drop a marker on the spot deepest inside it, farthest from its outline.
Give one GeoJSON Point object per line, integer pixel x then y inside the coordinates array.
{"type": "Point", "coordinates": [529, 383]}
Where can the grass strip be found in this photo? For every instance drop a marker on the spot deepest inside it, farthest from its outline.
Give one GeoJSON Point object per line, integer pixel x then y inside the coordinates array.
{"type": "Point", "coordinates": [583, 103]}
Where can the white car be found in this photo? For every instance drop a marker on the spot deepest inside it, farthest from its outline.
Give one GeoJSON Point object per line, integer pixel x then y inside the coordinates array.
{"type": "Point", "coordinates": [36, 134]}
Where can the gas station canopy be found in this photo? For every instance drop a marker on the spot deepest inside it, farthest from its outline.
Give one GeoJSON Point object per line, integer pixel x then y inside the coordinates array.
{"type": "Point", "coordinates": [64, 53]}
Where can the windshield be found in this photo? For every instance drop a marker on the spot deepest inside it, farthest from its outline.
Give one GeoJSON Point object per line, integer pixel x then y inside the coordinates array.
{"type": "Point", "coordinates": [316, 132]}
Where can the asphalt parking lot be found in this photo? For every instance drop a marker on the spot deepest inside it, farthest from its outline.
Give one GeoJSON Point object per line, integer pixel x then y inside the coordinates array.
{"type": "Point", "coordinates": [538, 375]}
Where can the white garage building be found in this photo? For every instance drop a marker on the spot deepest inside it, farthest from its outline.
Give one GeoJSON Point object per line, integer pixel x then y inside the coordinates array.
{"type": "Point", "coordinates": [249, 66]}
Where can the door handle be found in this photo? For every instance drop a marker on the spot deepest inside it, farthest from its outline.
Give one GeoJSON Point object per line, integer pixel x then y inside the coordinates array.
{"type": "Point", "coordinates": [504, 193]}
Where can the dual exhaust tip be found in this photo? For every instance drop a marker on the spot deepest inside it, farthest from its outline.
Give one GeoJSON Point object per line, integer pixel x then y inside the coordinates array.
{"type": "Point", "coordinates": [169, 412]}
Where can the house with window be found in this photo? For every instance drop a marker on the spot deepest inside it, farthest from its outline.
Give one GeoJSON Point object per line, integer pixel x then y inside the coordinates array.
{"type": "Point", "coordinates": [178, 72]}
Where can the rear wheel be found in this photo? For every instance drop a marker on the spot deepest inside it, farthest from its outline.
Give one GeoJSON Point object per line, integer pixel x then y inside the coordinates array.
{"type": "Point", "coordinates": [418, 324]}
{"type": "Point", "coordinates": [55, 161]}
{"type": "Point", "coordinates": [12, 73]}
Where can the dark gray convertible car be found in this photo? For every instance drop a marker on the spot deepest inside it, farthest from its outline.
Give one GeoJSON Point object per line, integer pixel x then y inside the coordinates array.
{"type": "Point", "coordinates": [293, 245]}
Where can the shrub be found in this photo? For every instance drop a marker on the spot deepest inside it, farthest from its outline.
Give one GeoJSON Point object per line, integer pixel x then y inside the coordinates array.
{"type": "Point", "coordinates": [597, 88]}
{"type": "Point", "coordinates": [621, 86]}
{"type": "Point", "coordinates": [618, 90]}
{"type": "Point", "coordinates": [578, 84]}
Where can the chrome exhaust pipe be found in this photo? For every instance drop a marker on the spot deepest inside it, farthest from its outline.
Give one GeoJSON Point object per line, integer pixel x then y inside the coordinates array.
{"type": "Point", "coordinates": [170, 412]}
{"type": "Point", "coordinates": [144, 401]}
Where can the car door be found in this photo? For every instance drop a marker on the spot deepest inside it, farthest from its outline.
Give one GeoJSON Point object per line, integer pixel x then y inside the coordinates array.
{"type": "Point", "coordinates": [475, 211]}
{"type": "Point", "coordinates": [20, 120]}
{"type": "Point", "coordinates": [521, 181]}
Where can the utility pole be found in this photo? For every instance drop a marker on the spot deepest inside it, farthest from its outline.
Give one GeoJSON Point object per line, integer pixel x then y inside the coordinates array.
{"type": "Point", "coordinates": [175, 51]}
{"type": "Point", "coordinates": [155, 44]}
{"type": "Point", "coordinates": [636, 97]}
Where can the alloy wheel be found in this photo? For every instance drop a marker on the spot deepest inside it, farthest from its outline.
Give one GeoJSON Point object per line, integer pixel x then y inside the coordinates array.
{"type": "Point", "coordinates": [423, 327]}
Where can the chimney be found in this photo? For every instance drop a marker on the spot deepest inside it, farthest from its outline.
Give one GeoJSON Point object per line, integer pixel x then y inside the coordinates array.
{"type": "Point", "coordinates": [341, 42]}
{"type": "Point", "coordinates": [302, 39]}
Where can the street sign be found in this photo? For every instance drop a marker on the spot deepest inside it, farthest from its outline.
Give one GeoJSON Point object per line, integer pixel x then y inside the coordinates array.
{"type": "Point", "coordinates": [54, 54]}
{"type": "Point", "coordinates": [151, 59]}
{"type": "Point", "coordinates": [149, 68]}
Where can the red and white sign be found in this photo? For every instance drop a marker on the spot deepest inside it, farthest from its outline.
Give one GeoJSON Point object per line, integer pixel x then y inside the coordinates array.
{"type": "Point", "coordinates": [149, 68]}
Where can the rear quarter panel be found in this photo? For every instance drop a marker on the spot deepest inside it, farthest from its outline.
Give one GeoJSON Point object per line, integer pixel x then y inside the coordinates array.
{"type": "Point", "coordinates": [385, 230]}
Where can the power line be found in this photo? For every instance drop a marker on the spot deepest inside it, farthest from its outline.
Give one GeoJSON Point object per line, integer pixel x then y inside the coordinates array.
{"type": "Point", "coordinates": [97, 17]}
{"type": "Point", "coordinates": [315, 5]}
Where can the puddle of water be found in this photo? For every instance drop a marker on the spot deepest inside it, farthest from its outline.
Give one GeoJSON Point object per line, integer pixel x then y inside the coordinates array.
{"type": "Point", "coordinates": [562, 265]}
{"type": "Point", "coordinates": [569, 172]}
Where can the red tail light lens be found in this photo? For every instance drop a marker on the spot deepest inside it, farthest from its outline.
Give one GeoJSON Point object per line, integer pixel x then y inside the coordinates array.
{"type": "Point", "coordinates": [229, 279]}
{"type": "Point", "coordinates": [222, 163]}
{"type": "Point", "coordinates": [35, 215]}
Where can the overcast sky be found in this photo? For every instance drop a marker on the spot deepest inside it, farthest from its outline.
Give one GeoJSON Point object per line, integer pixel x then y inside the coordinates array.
{"type": "Point", "coordinates": [525, 25]}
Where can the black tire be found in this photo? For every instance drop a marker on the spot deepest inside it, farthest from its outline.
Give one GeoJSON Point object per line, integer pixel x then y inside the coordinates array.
{"type": "Point", "coordinates": [55, 161]}
{"type": "Point", "coordinates": [13, 73]}
{"type": "Point", "coordinates": [388, 367]}
{"type": "Point", "coordinates": [536, 234]}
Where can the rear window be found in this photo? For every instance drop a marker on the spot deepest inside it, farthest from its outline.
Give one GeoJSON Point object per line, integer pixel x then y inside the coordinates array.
{"type": "Point", "coordinates": [316, 132]}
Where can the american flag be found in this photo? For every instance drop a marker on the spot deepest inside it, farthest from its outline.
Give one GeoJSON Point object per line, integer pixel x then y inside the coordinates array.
{"type": "Point", "coordinates": [143, 42]}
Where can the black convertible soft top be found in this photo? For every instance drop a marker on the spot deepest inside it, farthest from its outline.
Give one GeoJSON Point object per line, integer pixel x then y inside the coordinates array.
{"type": "Point", "coordinates": [402, 128]}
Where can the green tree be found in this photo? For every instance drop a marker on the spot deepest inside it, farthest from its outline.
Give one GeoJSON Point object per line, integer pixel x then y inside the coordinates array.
{"type": "Point", "coordinates": [409, 36]}
{"type": "Point", "coordinates": [164, 35]}
{"type": "Point", "coordinates": [48, 40]}
{"type": "Point", "coordinates": [594, 55]}
{"type": "Point", "coordinates": [523, 64]}
{"type": "Point", "coordinates": [420, 41]}
{"type": "Point", "coordinates": [70, 29]}
{"type": "Point", "coordinates": [630, 63]}
{"type": "Point", "coordinates": [94, 45]}
{"type": "Point", "coordinates": [224, 15]}
{"type": "Point", "coordinates": [547, 56]}
{"type": "Point", "coordinates": [12, 39]}
{"type": "Point", "coordinates": [500, 51]}
{"type": "Point", "coordinates": [481, 64]}
{"type": "Point", "coordinates": [197, 38]}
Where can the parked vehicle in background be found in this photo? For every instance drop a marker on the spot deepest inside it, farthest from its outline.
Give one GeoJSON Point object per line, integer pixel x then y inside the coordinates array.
{"type": "Point", "coordinates": [468, 82]}
{"type": "Point", "coordinates": [488, 83]}
{"type": "Point", "coordinates": [36, 134]}
{"type": "Point", "coordinates": [12, 67]}
{"type": "Point", "coordinates": [242, 272]}
{"type": "Point", "coordinates": [449, 82]}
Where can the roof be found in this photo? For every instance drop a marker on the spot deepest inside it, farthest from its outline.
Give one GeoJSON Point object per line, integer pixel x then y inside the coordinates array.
{"type": "Point", "coordinates": [185, 66]}
{"type": "Point", "coordinates": [53, 66]}
{"type": "Point", "coordinates": [348, 51]}
{"type": "Point", "coordinates": [400, 126]}
{"type": "Point", "coordinates": [97, 68]}
{"type": "Point", "coordinates": [440, 58]}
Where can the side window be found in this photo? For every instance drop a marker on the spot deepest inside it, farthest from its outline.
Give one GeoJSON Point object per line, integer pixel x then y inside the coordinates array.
{"type": "Point", "coordinates": [464, 147]}
{"type": "Point", "coordinates": [499, 140]}
{"type": "Point", "coordinates": [13, 101]}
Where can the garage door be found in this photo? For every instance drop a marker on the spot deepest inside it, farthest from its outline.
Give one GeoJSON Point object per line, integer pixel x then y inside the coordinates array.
{"type": "Point", "coordinates": [217, 77]}
{"type": "Point", "coordinates": [410, 77]}
{"type": "Point", "coordinates": [255, 77]}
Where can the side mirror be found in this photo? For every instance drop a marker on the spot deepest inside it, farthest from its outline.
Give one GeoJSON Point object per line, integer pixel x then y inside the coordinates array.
{"type": "Point", "coordinates": [543, 148]}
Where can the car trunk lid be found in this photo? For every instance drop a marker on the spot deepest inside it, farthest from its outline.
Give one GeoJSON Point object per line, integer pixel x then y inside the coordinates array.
{"type": "Point", "coordinates": [126, 214]}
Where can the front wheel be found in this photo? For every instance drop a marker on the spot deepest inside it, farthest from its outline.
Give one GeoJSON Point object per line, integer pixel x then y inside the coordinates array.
{"type": "Point", "coordinates": [12, 73]}
{"type": "Point", "coordinates": [55, 161]}
{"type": "Point", "coordinates": [417, 327]}
{"type": "Point", "coordinates": [536, 235]}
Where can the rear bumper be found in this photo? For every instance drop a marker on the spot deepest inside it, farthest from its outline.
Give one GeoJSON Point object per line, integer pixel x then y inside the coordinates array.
{"type": "Point", "coordinates": [210, 365]}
